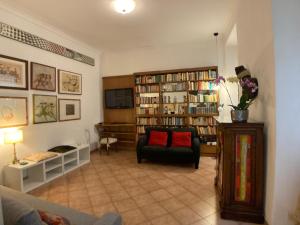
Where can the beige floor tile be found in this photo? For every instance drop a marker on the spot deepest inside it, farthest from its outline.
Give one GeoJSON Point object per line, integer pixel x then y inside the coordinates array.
{"type": "Point", "coordinates": [125, 205]}
{"type": "Point", "coordinates": [135, 191]}
{"type": "Point", "coordinates": [80, 204]}
{"type": "Point", "coordinates": [188, 198]}
{"type": "Point", "coordinates": [176, 190]}
{"type": "Point", "coordinates": [160, 195]}
{"type": "Point", "coordinates": [95, 190]}
{"type": "Point", "coordinates": [171, 204]}
{"type": "Point", "coordinates": [154, 210]}
{"type": "Point", "coordinates": [165, 220]}
{"type": "Point", "coordinates": [133, 217]}
{"type": "Point", "coordinates": [203, 209]}
{"type": "Point", "coordinates": [102, 209]}
{"type": "Point", "coordinates": [118, 196]}
{"type": "Point", "coordinates": [186, 216]}
{"type": "Point", "coordinates": [166, 182]}
{"type": "Point", "coordinates": [142, 200]}
{"type": "Point", "coordinates": [100, 199]}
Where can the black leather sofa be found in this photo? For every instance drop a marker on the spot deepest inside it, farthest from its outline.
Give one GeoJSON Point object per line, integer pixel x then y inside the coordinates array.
{"type": "Point", "coordinates": [146, 151]}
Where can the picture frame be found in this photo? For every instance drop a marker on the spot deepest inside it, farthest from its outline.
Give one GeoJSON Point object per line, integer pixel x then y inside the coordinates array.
{"type": "Point", "coordinates": [43, 77]}
{"type": "Point", "coordinates": [44, 108]}
{"type": "Point", "coordinates": [69, 109]}
{"type": "Point", "coordinates": [13, 73]}
{"type": "Point", "coordinates": [69, 83]}
{"type": "Point", "coordinates": [13, 111]}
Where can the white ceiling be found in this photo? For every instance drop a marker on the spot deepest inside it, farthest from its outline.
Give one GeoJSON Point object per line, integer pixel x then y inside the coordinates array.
{"type": "Point", "coordinates": [153, 23]}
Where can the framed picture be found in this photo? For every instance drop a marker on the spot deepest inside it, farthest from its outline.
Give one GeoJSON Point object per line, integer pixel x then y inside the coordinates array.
{"type": "Point", "coordinates": [69, 83]}
{"type": "Point", "coordinates": [13, 73]}
{"type": "Point", "coordinates": [69, 109]}
{"type": "Point", "coordinates": [43, 77]}
{"type": "Point", "coordinates": [44, 108]}
{"type": "Point", "coordinates": [13, 111]}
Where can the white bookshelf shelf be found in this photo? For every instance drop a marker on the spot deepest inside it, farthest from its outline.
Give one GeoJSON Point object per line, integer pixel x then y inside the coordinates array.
{"type": "Point", "coordinates": [32, 175]}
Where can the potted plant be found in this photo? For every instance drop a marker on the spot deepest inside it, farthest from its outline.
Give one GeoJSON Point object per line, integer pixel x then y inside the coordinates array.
{"type": "Point", "coordinates": [249, 85]}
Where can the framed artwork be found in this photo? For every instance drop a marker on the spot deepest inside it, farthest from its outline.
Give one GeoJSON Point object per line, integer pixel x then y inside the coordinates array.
{"type": "Point", "coordinates": [43, 77]}
{"type": "Point", "coordinates": [69, 109]}
{"type": "Point", "coordinates": [44, 108]}
{"type": "Point", "coordinates": [69, 83]}
{"type": "Point", "coordinates": [13, 73]}
{"type": "Point", "coordinates": [13, 111]}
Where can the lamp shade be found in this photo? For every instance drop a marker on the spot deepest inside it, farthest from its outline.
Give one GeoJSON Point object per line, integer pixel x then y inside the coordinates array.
{"type": "Point", "coordinates": [13, 137]}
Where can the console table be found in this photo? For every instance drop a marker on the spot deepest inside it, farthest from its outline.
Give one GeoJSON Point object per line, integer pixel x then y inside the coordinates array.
{"type": "Point", "coordinates": [240, 167]}
{"type": "Point", "coordinates": [27, 177]}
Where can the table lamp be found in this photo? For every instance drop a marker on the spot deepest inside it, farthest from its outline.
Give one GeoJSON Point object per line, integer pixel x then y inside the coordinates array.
{"type": "Point", "coordinates": [13, 137]}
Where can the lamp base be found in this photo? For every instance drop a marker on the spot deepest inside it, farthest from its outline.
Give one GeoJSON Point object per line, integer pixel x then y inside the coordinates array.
{"type": "Point", "coordinates": [15, 160]}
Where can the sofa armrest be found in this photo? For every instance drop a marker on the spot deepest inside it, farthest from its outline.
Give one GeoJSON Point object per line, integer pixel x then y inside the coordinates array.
{"type": "Point", "coordinates": [141, 143]}
{"type": "Point", "coordinates": [196, 150]}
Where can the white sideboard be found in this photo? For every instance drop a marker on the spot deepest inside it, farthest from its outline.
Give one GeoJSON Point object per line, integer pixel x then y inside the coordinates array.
{"type": "Point", "coordinates": [27, 177]}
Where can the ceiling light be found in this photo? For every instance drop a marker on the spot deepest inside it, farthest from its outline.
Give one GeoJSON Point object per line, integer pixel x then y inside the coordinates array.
{"type": "Point", "coordinates": [124, 6]}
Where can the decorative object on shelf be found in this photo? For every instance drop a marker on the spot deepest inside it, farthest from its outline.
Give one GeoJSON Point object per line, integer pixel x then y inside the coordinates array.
{"type": "Point", "coordinates": [69, 109]}
{"type": "Point", "coordinates": [43, 77]}
{"type": "Point", "coordinates": [13, 137]}
{"type": "Point", "coordinates": [44, 109]}
{"type": "Point", "coordinates": [69, 83]}
{"type": "Point", "coordinates": [13, 73]}
{"type": "Point", "coordinates": [13, 111]}
{"type": "Point", "coordinates": [35, 41]}
{"type": "Point", "coordinates": [249, 85]}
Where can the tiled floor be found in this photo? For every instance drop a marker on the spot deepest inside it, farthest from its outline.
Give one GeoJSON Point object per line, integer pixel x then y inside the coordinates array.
{"type": "Point", "coordinates": [150, 193]}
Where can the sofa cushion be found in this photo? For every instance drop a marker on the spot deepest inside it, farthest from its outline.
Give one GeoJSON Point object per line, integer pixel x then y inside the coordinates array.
{"type": "Point", "coordinates": [150, 148]}
{"type": "Point", "coordinates": [181, 139]}
{"type": "Point", "coordinates": [19, 213]}
{"type": "Point", "coordinates": [159, 138]}
{"type": "Point", "coordinates": [161, 129]}
{"type": "Point", "coordinates": [180, 150]}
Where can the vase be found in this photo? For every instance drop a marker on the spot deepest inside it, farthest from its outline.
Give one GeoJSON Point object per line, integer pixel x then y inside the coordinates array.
{"type": "Point", "coordinates": [239, 116]}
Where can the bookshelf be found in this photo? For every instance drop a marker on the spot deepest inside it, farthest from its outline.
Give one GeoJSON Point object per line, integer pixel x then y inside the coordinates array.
{"type": "Point", "coordinates": [179, 98]}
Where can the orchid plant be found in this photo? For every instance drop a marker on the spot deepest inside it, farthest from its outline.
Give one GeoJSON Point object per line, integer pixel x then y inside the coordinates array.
{"type": "Point", "coordinates": [248, 84]}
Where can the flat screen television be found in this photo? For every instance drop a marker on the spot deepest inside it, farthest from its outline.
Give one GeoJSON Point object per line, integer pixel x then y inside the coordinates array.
{"type": "Point", "coordinates": [119, 98]}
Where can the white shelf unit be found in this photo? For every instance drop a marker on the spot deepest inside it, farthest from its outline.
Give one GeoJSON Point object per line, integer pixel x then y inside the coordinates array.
{"type": "Point", "coordinates": [32, 175]}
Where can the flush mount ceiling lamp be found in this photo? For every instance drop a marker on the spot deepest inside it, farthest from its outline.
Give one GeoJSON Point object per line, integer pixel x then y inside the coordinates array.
{"type": "Point", "coordinates": [124, 6]}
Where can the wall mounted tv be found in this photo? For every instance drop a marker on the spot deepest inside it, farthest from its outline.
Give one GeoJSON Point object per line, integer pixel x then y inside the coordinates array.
{"type": "Point", "coordinates": [119, 98]}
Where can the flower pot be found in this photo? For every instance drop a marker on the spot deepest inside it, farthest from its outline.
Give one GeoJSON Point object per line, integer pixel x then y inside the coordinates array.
{"type": "Point", "coordinates": [239, 116]}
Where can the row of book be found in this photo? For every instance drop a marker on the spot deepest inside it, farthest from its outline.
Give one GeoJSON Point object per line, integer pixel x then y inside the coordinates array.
{"type": "Point", "coordinates": [147, 121]}
{"type": "Point", "coordinates": [174, 109]}
{"type": "Point", "coordinates": [147, 89]}
{"type": "Point", "coordinates": [202, 121]}
{"type": "Point", "coordinates": [174, 99]}
{"type": "Point", "coordinates": [201, 85]}
{"type": "Point", "coordinates": [147, 111]}
{"type": "Point", "coordinates": [207, 130]}
{"type": "Point", "coordinates": [140, 129]}
{"type": "Point", "coordinates": [203, 109]}
{"type": "Point", "coordinates": [203, 97]}
{"type": "Point", "coordinates": [173, 121]}
{"type": "Point", "coordinates": [177, 77]}
{"type": "Point", "coordinates": [174, 87]}
{"type": "Point", "coordinates": [147, 100]}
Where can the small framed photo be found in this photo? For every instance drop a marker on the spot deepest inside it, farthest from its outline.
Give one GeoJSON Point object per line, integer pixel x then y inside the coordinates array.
{"type": "Point", "coordinates": [43, 77]}
{"type": "Point", "coordinates": [44, 109]}
{"type": "Point", "coordinates": [13, 111]}
{"type": "Point", "coordinates": [13, 73]}
{"type": "Point", "coordinates": [69, 109]}
{"type": "Point", "coordinates": [69, 83]}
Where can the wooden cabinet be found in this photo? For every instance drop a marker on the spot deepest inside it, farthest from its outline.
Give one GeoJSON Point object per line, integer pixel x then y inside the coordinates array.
{"type": "Point", "coordinates": [241, 171]}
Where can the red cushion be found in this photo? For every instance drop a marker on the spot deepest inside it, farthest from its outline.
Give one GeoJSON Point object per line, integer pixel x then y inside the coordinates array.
{"type": "Point", "coordinates": [158, 138]}
{"type": "Point", "coordinates": [181, 139]}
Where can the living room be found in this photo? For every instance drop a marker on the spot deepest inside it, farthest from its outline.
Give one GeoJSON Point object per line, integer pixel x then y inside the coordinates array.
{"type": "Point", "coordinates": [156, 36]}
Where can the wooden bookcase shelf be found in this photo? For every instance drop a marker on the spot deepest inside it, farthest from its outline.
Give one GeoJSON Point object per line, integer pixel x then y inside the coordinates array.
{"type": "Point", "coordinates": [174, 98]}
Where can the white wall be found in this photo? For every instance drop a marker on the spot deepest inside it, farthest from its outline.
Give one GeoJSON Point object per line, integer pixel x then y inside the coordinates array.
{"type": "Point", "coordinates": [256, 52]}
{"type": "Point", "coordinates": [41, 137]}
{"type": "Point", "coordinates": [286, 20]}
{"type": "Point", "coordinates": [159, 58]}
